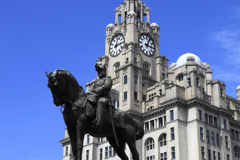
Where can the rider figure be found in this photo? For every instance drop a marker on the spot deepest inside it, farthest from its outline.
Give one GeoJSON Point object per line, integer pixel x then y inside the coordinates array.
{"type": "Point", "coordinates": [101, 88]}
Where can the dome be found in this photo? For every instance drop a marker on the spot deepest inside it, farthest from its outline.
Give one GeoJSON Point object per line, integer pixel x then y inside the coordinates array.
{"type": "Point", "coordinates": [154, 25]}
{"type": "Point", "coordinates": [188, 56]}
{"type": "Point", "coordinates": [110, 25]}
{"type": "Point", "coordinates": [238, 87]}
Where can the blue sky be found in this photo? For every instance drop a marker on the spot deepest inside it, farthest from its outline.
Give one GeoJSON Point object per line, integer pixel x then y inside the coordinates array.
{"type": "Point", "coordinates": [44, 35]}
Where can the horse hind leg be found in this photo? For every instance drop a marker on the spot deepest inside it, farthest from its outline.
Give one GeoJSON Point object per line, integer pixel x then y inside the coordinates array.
{"type": "Point", "coordinates": [119, 150]}
{"type": "Point", "coordinates": [129, 135]}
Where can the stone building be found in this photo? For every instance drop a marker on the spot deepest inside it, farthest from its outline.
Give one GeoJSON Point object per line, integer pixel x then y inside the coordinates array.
{"type": "Point", "coordinates": [186, 114]}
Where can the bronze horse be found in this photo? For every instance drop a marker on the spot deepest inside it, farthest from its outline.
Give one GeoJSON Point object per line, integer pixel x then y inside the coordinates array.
{"type": "Point", "coordinates": [66, 91]}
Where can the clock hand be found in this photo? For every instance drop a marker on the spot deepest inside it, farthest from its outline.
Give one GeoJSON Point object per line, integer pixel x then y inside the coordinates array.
{"type": "Point", "coordinates": [116, 43]}
{"type": "Point", "coordinates": [148, 41]}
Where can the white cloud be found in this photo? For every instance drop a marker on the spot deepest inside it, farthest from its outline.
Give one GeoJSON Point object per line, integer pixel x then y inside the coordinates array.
{"type": "Point", "coordinates": [229, 41]}
{"type": "Point", "coordinates": [227, 45]}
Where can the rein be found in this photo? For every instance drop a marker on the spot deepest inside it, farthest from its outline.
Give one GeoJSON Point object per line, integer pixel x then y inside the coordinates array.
{"type": "Point", "coordinates": [69, 101]}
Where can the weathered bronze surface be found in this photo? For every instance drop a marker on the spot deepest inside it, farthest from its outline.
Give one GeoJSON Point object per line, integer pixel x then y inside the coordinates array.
{"type": "Point", "coordinates": [79, 113]}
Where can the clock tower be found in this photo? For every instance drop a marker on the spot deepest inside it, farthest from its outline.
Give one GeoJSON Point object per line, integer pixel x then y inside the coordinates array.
{"type": "Point", "coordinates": [132, 56]}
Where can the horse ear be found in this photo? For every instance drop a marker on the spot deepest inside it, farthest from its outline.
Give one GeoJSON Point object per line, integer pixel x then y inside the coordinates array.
{"type": "Point", "coordinates": [47, 74]}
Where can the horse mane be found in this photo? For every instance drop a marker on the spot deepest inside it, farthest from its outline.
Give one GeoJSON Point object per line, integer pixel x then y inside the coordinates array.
{"type": "Point", "coordinates": [69, 76]}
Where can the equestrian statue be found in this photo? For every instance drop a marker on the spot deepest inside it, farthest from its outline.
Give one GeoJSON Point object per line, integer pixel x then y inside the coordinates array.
{"type": "Point", "coordinates": [93, 113]}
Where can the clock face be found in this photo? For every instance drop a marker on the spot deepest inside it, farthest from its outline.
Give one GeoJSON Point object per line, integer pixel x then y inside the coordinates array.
{"type": "Point", "coordinates": [147, 45]}
{"type": "Point", "coordinates": [116, 45]}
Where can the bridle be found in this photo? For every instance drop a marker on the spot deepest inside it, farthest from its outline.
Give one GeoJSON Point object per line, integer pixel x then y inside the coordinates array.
{"type": "Point", "coordinates": [65, 99]}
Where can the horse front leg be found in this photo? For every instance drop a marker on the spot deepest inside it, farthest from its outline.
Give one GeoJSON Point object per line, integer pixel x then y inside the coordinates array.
{"type": "Point", "coordinates": [80, 138]}
{"type": "Point", "coordinates": [73, 139]}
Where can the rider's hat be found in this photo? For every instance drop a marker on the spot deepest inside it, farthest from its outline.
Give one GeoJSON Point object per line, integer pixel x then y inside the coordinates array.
{"type": "Point", "coordinates": [100, 65]}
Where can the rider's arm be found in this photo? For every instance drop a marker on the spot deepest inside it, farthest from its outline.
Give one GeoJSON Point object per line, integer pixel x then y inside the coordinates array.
{"type": "Point", "coordinates": [105, 87]}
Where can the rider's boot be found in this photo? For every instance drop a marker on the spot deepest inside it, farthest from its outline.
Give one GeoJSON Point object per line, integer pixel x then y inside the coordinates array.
{"type": "Point", "coordinates": [98, 121]}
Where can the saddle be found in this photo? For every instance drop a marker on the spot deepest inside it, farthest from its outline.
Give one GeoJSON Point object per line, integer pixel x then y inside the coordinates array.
{"type": "Point", "coordinates": [91, 106]}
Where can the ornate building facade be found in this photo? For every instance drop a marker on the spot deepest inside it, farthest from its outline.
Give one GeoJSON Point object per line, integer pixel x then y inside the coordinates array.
{"type": "Point", "coordinates": [186, 114]}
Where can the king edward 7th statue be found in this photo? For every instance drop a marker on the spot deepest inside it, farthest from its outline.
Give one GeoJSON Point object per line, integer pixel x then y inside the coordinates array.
{"type": "Point", "coordinates": [93, 113]}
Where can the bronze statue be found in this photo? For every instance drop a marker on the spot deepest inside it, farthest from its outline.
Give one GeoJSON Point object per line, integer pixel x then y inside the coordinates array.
{"type": "Point", "coordinates": [79, 113]}
{"type": "Point", "coordinates": [101, 89]}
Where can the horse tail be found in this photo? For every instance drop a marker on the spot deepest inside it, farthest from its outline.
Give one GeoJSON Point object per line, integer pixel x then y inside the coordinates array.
{"type": "Point", "coordinates": [139, 129]}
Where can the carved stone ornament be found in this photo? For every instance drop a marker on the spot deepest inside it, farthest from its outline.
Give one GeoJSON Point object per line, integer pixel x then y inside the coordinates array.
{"type": "Point", "coordinates": [131, 14]}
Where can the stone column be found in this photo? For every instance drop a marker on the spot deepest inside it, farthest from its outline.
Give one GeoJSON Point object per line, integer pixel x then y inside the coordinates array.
{"type": "Point", "coordinates": [163, 121]}
{"type": "Point", "coordinates": [141, 14]}
{"type": "Point", "coordinates": [149, 125]}
{"type": "Point", "coordinates": [116, 17]}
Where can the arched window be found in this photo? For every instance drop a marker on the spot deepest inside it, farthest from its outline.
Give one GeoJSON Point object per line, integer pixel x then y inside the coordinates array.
{"type": "Point", "coordinates": [163, 140]}
{"type": "Point", "coordinates": [150, 144]}
{"type": "Point", "coordinates": [236, 151]}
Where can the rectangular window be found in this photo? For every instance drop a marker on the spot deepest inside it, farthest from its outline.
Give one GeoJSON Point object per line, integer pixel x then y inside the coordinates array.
{"type": "Point", "coordinates": [66, 151]}
{"type": "Point", "coordinates": [152, 124]}
{"type": "Point", "coordinates": [135, 60]}
{"type": "Point", "coordinates": [199, 114]}
{"type": "Point", "coordinates": [173, 152]}
{"type": "Point", "coordinates": [163, 156]}
{"type": "Point", "coordinates": [172, 115]}
{"type": "Point", "coordinates": [146, 126]}
{"type": "Point", "coordinates": [201, 133]}
{"type": "Point", "coordinates": [106, 152]}
{"type": "Point", "coordinates": [160, 92]}
{"type": "Point", "coordinates": [209, 154]}
{"type": "Point", "coordinates": [215, 122]}
{"type": "Point", "coordinates": [237, 136]}
{"type": "Point", "coordinates": [125, 95]}
{"type": "Point", "coordinates": [217, 138]}
{"type": "Point", "coordinates": [189, 82]}
{"type": "Point", "coordinates": [202, 152]}
{"type": "Point", "coordinates": [172, 134]}
{"type": "Point", "coordinates": [219, 156]}
{"type": "Point", "coordinates": [232, 133]}
{"type": "Point", "coordinates": [210, 120]}
{"type": "Point", "coordinates": [212, 138]}
{"type": "Point", "coordinates": [208, 141]}
{"type": "Point", "coordinates": [114, 153]}
{"type": "Point", "coordinates": [206, 118]}
{"type": "Point", "coordinates": [197, 80]}
{"type": "Point", "coordinates": [214, 156]}
{"type": "Point", "coordinates": [100, 154]}
{"type": "Point", "coordinates": [144, 98]}
{"type": "Point", "coordinates": [125, 79]}
{"type": "Point", "coordinates": [88, 139]}
{"type": "Point", "coordinates": [135, 79]}
{"type": "Point", "coordinates": [135, 95]}
{"type": "Point", "coordinates": [228, 157]}
{"type": "Point", "coordinates": [110, 151]}
{"type": "Point", "coordinates": [224, 124]}
{"type": "Point", "coordinates": [87, 154]}
{"type": "Point", "coordinates": [226, 141]}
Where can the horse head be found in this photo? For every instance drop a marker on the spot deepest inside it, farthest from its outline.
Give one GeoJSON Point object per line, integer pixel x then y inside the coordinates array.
{"type": "Point", "coordinates": [63, 85]}
{"type": "Point", "coordinates": [55, 83]}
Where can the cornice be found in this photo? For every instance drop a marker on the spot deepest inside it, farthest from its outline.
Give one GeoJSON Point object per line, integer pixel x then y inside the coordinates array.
{"type": "Point", "coordinates": [172, 102]}
{"type": "Point", "coordinates": [234, 123]}
{"type": "Point", "coordinates": [65, 141]}
{"type": "Point", "coordinates": [135, 114]}
{"type": "Point", "coordinates": [153, 112]}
